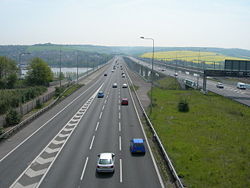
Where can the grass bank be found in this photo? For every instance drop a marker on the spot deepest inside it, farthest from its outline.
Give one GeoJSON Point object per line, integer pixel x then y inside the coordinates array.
{"type": "Point", "coordinates": [210, 144]}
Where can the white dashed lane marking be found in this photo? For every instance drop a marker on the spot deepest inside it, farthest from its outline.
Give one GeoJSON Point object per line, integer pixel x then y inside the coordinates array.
{"type": "Point", "coordinates": [84, 168]}
{"type": "Point", "coordinates": [92, 141]}
{"type": "Point", "coordinates": [100, 115]}
{"type": "Point", "coordinates": [97, 126]}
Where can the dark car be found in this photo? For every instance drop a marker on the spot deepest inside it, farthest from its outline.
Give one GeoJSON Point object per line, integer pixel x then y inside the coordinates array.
{"type": "Point", "coordinates": [137, 146]}
{"type": "Point", "coordinates": [100, 94]}
{"type": "Point", "coordinates": [124, 101]}
{"type": "Point", "coordinates": [105, 74]}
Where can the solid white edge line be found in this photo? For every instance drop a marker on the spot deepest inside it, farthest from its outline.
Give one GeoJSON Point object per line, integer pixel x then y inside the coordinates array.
{"type": "Point", "coordinates": [91, 144]}
{"type": "Point", "coordinates": [84, 168]}
{"type": "Point", "coordinates": [97, 126]}
{"type": "Point", "coordinates": [120, 143]}
{"type": "Point", "coordinates": [44, 124]}
{"type": "Point", "coordinates": [150, 151]}
{"type": "Point", "coordinates": [120, 170]}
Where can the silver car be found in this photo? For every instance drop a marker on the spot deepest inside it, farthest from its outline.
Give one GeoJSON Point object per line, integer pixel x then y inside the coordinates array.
{"type": "Point", "coordinates": [124, 85]}
{"type": "Point", "coordinates": [105, 163]}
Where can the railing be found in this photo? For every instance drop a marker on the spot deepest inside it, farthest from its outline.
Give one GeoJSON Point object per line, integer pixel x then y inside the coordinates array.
{"type": "Point", "coordinates": [31, 118]}
{"type": "Point", "coordinates": [157, 139]}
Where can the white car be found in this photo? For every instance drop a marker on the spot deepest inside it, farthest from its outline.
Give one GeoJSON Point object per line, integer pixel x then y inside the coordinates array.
{"type": "Point", "coordinates": [105, 163]}
{"type": "Point", "coordinates": [219, 85]}
{"type": "Point", "coordinates": [114, 85]}
{"type": "Point", "coordinates": [124, 85]}
{"type": "Point", "coordinates": [176, 74]}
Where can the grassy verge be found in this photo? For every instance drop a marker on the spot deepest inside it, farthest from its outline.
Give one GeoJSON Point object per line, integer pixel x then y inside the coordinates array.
{"type": "Point", "coordinates": [71, 90]}
{"type": "Point", "coordinates": [209, 145]}
{"type": "Point", "coordinates": [132, 88]}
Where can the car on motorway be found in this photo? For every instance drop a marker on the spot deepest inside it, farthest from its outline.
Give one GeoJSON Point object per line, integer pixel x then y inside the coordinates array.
{"type": "Point", "coordinates": [123, 75]}
{"type": "Point", "coordinates": [241, 85]}
{"type": "Point", "coordinates": [124, 85]}
{"type": "Point", "coordinates": [105, 74]}
{"type": "Point", "coordinates": [112, 71]}
{"type": "Point", "coordinates": [100, 94]}
{"type": "Point", "coordinates": [137, 146]}
{"type": "Point", "coordinates": [105, 163]}
{"type": "Point", "coordinates": [176, 74]}
{"type": "Point", "coordinates": [220, 85]}
{"type": "Point", "coordinates": [114, 85]}
{"type": "Point", "coordinates": [124, 101]}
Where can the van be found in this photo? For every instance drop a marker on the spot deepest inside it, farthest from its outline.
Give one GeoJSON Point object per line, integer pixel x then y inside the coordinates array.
{"type": "Point", "coordinates": [241, 85]}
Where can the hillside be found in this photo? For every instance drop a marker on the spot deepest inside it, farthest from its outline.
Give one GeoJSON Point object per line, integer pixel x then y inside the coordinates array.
{"type": "Point", "coordinates": [51, 52]}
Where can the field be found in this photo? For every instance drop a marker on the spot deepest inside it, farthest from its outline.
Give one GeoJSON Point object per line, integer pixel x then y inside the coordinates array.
{"type": "Point", "coordinates": [210, 144]}
{"type": "Point", "coordinates": [191, 56]}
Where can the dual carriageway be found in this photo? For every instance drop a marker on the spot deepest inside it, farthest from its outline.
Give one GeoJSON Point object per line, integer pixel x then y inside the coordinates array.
{"type": "Point", "coordinates": [60, 148]}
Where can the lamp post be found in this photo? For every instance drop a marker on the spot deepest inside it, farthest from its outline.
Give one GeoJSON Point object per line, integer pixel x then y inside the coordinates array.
{"type": "Point", "coordinates": [19, 61]}
{"type": "Point", "coordinates": [77, 67]}
{"type": "Point", "coordinates": [152, 68]}
{"type": "Point", "coordinates": [60, 68]}
{"type": "Point", "coordinates": [20, 74]}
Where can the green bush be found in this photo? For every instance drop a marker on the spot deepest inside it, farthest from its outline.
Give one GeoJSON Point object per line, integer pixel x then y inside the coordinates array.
{"type": "Point", "coordinates": [12, 118]}
{"type": "Point", "coordinates": [1, 130]}
{"type": "Point", "coordinates": [13, 97]}
{"type": "Point", "coordinates": [4, 106]}
{"type": "Point", "coordinates": [183, 105]}
{"type": "Point", "coordinates": [38, 104]}
{"type": "Point", "coordinates": [58, 91]}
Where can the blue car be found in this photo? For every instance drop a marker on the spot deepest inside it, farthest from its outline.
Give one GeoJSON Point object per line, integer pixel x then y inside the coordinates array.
{"type": "Point", "coordinates": [100, 94]}
{"type": "Point", "coordinates": [137, 146]}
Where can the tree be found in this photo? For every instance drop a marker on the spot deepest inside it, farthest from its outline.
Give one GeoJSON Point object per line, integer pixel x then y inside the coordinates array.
{"type": "Point", "coordinates": [39, 73]}
{"type": "Point", "coordinates": [8, 73]}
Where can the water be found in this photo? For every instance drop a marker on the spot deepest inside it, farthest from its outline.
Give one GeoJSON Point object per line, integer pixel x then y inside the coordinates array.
{"type": "Point", "coordinates": [64, 70]}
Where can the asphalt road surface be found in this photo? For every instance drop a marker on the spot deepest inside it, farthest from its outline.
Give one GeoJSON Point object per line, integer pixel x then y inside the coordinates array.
{"type": "Point", "coordinates": [59, 149]}
{"type": "Point", "coordinates": [230, 91]}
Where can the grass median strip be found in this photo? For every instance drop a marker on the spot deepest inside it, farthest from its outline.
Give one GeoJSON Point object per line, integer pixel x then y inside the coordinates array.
{"type": "Point", "coordinates": [209, 145]}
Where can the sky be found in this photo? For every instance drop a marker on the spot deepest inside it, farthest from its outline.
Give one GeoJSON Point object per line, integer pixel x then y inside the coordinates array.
{"type": "Point", "coordinates": [171, 23]}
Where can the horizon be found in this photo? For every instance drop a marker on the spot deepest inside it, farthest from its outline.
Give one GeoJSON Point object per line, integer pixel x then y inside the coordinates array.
{"type": "Point", "coordinates": [118, 23]}
{"type": "Point", "coordinates": [201, 47]}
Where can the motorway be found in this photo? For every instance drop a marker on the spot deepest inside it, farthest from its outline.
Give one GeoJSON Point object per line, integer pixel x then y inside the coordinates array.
{"type": "Point", "coordinates": [230, 91]}
{"type": "Point", "coordinates": [59, 148]}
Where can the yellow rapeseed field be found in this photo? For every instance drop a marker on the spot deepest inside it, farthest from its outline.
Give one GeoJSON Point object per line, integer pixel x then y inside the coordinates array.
{"type": "Point", "coordinates": [191, 56]}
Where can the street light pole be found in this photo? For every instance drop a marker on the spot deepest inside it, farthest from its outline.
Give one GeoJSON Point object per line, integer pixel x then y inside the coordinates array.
{"type": "Point", "coordinates": [77, 67]}
{"type": "Point", "coordinates": [19, 62]}
{"type": "Point", "coordinates": [152, 69]}
{"type": "Point", "coordinates": [60, 68]}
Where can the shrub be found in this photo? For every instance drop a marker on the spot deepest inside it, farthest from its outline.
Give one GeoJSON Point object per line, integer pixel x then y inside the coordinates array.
{"type": "Point", "coordinates": [1, 130]}
{"type": "Point", "coordinates": [4, 106]}
{"type": "Point", "coordinates": [12, 118]}
{"type": "Point", "coordinates": [38, 104]}
{"type": "Point", "coordinates": [183, 106]}
{"type": "Point", "coordinates": [58, 91]}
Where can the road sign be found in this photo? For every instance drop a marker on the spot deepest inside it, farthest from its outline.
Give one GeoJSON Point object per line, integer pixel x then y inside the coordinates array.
{"type": "Point", "coordinates": [237, 65]}
{"type": "Point", "coordinates": [224, 73]}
